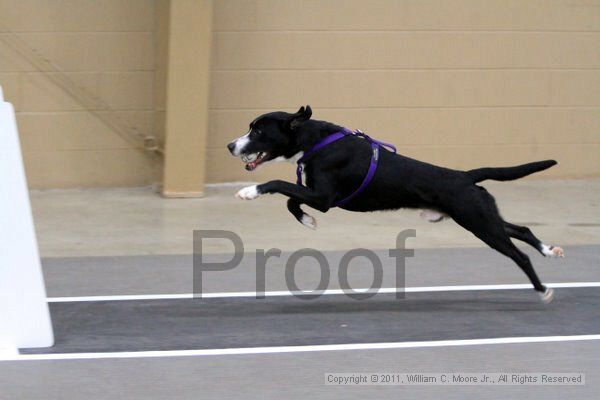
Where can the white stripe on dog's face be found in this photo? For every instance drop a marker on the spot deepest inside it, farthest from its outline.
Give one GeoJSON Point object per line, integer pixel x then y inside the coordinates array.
{"type": "Point", "coordinates": [240, 143]}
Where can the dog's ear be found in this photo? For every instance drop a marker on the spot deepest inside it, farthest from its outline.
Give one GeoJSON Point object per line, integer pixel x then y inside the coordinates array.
{"type": "Point", "coordinates": [303, 114]}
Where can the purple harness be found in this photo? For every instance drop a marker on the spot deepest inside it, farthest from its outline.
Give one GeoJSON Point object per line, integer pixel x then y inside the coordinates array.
{"type": "Point", "coordinates": [375, 144]}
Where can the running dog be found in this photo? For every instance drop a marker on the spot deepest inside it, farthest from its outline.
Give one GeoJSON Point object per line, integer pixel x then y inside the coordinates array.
{"type": "Point", "coordinates": [357, 173]}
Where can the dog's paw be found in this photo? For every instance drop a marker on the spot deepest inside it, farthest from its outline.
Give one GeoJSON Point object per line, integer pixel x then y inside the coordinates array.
{"type": "Point", "coordinates": [308, 221]}
{"type": "Point", "coordinates": [248, 193]}
{"type": "Point", "coordinates": [547, 296]}
{"type": "Point", "coordinates": [558, 252]}
{"type": "Point", "coordinates": [432, 216]}
{"type": "Point", "coordinates": [553, 251]}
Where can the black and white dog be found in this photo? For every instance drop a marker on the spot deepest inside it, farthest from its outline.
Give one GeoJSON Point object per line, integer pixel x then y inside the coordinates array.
{"type": "Point", "coordinates": [334, 172]}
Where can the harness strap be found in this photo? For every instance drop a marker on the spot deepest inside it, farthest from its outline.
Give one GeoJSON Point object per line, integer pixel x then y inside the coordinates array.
{"type": "Point", "coordinates": [375, 144]}
{"type": "Point", "coordinates": [322, 143]}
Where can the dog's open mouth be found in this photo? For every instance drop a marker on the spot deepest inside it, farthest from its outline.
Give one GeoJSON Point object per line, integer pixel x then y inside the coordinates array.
{"type": "Point", "coordinates": [254, 160]}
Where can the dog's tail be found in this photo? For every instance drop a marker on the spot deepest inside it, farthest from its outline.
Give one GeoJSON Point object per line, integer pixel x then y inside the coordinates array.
{"type": "Point", "coordinates": [509, 173]}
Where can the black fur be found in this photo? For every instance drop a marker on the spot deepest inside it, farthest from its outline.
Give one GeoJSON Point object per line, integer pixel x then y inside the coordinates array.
{"type": "Point", "coordinates": [336, 171]}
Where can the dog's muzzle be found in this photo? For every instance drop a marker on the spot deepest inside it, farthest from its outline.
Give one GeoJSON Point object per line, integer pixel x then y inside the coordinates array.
{"type": "Point", "coordinates": [254, 160]}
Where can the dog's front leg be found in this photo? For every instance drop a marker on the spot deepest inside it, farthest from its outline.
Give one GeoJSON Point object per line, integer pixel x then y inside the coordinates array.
{"type": "Point", "coordinates": [316, 198]}
{"type": "Point", "coordinates": [320, 198]}
{"type": "Point", "coordinates": [302, 217]}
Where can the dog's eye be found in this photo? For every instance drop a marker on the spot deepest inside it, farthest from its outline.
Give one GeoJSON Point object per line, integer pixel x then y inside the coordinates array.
{"type": "Point", "coordinates": [255, 133]}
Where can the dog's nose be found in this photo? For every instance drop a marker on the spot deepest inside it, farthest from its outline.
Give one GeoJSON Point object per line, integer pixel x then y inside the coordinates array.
{"type": "Point", "coordinates": [231, 147]}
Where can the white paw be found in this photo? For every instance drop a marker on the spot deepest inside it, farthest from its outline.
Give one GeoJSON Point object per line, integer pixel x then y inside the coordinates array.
{"type": "Point", "coordinates": [308, 221]}
{"type": "Point", "coordinates": [553, 251]}
{"type": "Point", "coordinates": [432, 215]}
{"type": "Point", "coordinates": [547, 296]}
{"type": "Point", "coordinates": [248, 193]}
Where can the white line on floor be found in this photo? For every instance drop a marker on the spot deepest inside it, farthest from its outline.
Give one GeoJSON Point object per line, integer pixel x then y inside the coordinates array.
{"type": "Point", "coordinates": [297, 349]}
{"type": "Point", "coordinates": [221, 295]}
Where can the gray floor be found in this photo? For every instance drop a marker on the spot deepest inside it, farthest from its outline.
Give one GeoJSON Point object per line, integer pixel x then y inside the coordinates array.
{"type": "Point", "coordinates": [147, 325]}
{"type": "Point", "coordinates": [106, 326]}
{"type": "Point", "coordinates": [154, 233]}
{"type": "Point", "coordinates": [301, 375]}
{"type": "Point", "coordinates": [117, 275]}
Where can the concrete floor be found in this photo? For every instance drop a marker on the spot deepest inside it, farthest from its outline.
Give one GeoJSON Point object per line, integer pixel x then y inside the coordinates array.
{"type": "Point", "coordinates": [130, 241]}
{"type": "Point", "coordinates": [301, 376]}
{"type": "Point", "coordinates": [137, 221]}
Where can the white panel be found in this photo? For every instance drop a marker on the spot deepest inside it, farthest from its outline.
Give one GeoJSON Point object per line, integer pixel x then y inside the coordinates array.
{"type": "Point", "coordinates": [24, 316]}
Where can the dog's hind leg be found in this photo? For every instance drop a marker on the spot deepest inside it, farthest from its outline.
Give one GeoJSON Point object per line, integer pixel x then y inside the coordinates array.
{"type": "Point", "coordinates": [482, 218]}
{"type": "Point", "coordinates": [499, 241]}
{"type": "Point", "coordinates": [524, 234]}
{"type": "Point", "coordinates": [293, 207]}
{"type": "Point", "coordinates": [506, 247]}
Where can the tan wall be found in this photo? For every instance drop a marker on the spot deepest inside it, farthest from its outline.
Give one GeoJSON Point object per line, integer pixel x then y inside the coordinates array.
{"type": "Point", "coordinates": [462, 83]}
{"type": "Point", "coordinates": [107, 47]}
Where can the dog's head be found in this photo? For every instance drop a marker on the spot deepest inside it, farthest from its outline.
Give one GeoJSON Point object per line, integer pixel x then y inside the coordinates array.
{"type": "Point", "coordinates": [270, 137]}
